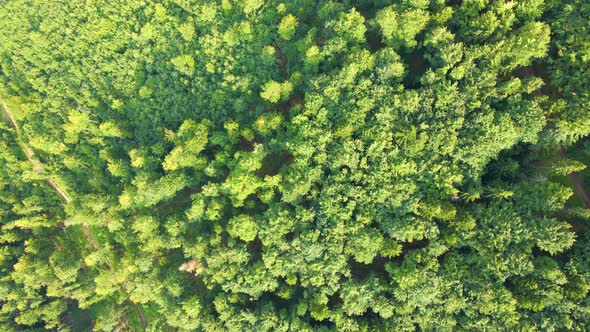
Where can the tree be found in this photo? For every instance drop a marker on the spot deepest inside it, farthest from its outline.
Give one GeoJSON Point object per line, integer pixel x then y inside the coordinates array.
{"type": "Point", "coordinates": [294, 165]}
{"type": "Point", "coordinates": [287, 27]}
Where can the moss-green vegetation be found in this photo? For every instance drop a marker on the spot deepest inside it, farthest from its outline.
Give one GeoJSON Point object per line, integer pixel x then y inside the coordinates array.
{"type": "Point", "coordinates": [261, 165]}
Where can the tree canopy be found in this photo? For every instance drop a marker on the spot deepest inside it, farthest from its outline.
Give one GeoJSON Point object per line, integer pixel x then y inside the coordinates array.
{"type": "Point", "coordinates": [262, 165]}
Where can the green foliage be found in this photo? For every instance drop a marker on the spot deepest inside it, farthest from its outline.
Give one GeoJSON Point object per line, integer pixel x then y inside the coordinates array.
{"type": "Point", "coordinates": [294, 165]}
{"type": "Point", "coordinates": [274, 91]}
{"type": "Point", "coordinates": [184, 64]}
{"type": "Point", "coordinates": [243, 227]}
{"type": "Point", "coordinates": [287, 27]}
{"type": "Point", "coordinates": [567, 68]}
{"type": "Point", "coordinates": [400, 27]}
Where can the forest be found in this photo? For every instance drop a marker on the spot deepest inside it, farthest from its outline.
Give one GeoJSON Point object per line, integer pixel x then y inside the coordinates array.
{"type": "Point", "coordinates": [301, 165]}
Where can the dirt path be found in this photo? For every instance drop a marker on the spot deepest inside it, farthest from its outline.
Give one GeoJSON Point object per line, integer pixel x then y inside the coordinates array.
{"type": "Point", "coordinates": [39, 169]}
{"type": "Point", "coordinates": [578, 181]}
{"type": "Point", "coordinates": [579, 186]}
{"type": "Point", "coordinates": [9, 118]}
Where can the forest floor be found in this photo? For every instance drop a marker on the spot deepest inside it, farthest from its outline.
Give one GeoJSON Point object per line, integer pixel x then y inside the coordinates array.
{"type": "Point", "coordinates": [577, 181]}
{"type": "Point", "coordinates": [580, 188]}
{"type": "Point", "coordinates": [39, 169]}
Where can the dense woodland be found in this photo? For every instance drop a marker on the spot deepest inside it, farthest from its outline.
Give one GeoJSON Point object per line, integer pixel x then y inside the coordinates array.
{"type": "Point", "coordinates": [306, 165]}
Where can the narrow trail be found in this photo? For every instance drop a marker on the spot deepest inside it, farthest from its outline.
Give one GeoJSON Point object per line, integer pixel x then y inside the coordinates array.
{"type": "Point", "coordinates": [39, 169]}
{"type": "Point", "coordinates": [578, 181]}
{"type": "Point", "coordinates": [9, 118]}
{"type": "Point", "coordinates": [579, 186]}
